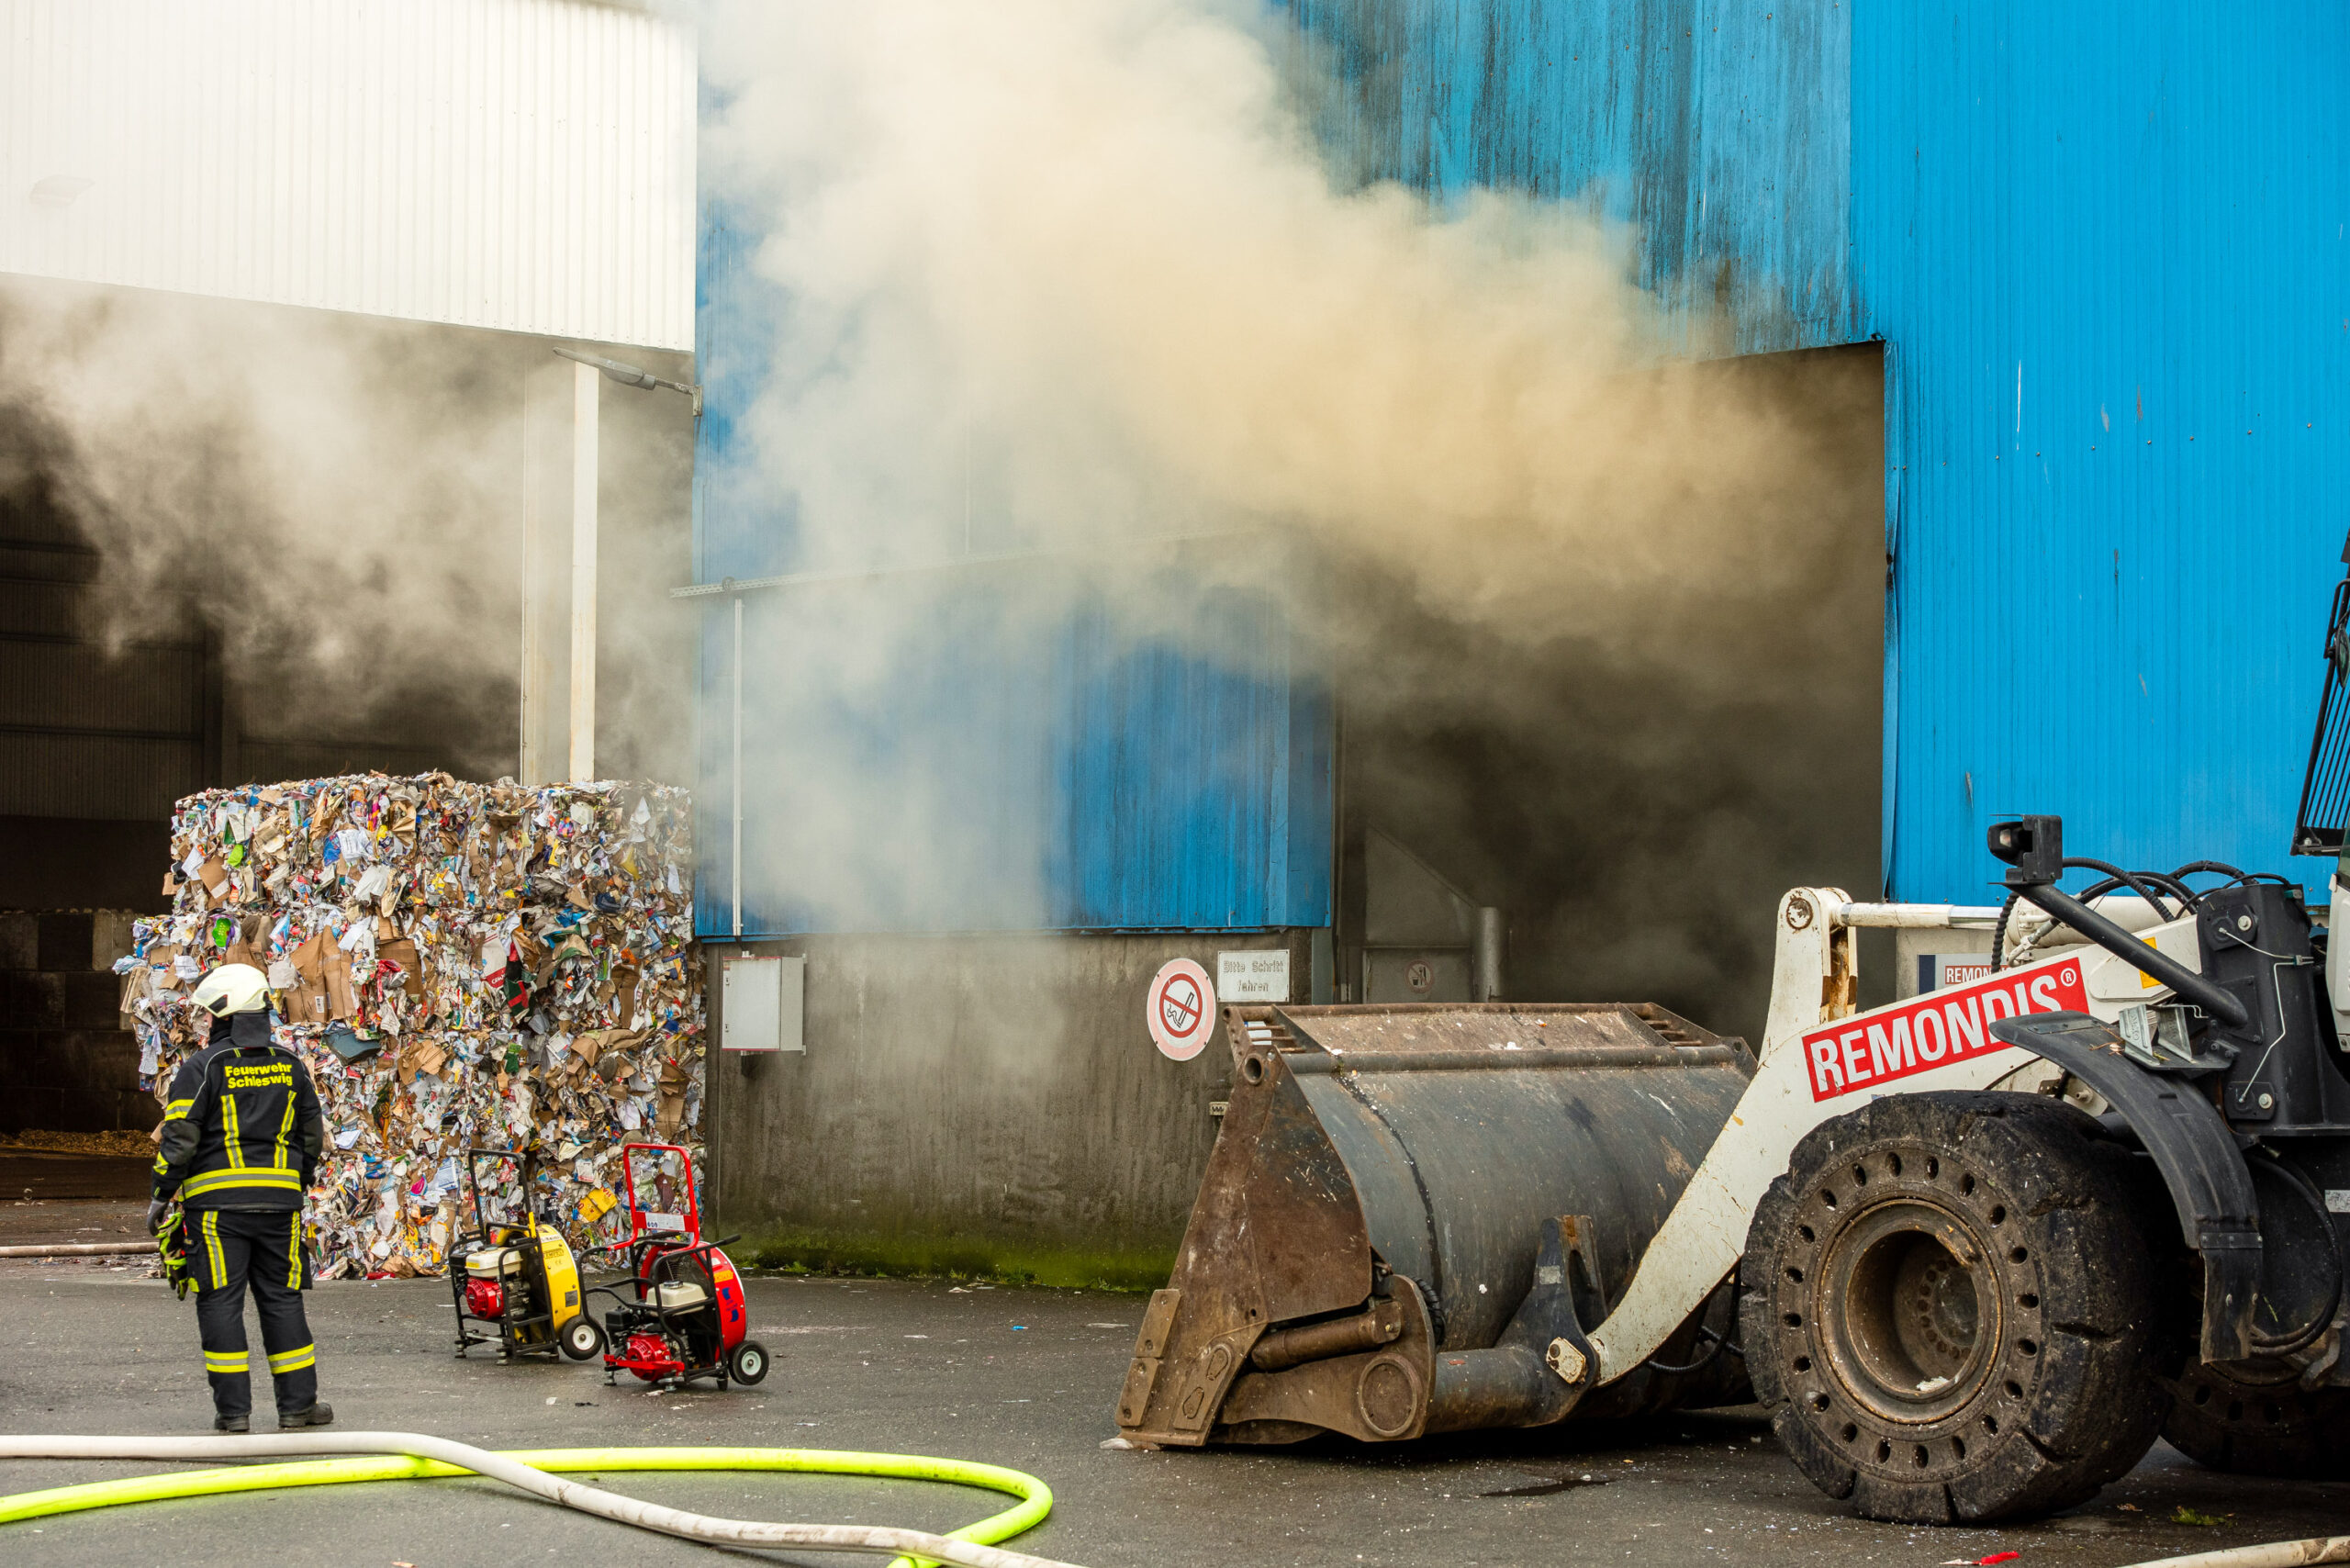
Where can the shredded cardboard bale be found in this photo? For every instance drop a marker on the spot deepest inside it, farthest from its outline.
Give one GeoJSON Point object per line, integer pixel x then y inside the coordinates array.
{"type": "Point", "coordinates": [460, 965]}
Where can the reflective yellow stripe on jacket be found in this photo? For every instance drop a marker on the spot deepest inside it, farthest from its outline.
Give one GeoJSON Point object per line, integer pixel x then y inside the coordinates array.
{"type": "Point", "coordinates": [173, 1111]}
{"type": "Point", "coordinates": [233, 1142]}
{"type": "Point", "coordinates": [285, 1130]}
{"type": "Point", "coordinates": [256, 1177]}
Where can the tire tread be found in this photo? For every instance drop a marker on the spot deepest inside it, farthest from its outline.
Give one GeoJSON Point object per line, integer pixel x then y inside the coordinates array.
{"type": "Point", "coordinates": [2097, 1405]}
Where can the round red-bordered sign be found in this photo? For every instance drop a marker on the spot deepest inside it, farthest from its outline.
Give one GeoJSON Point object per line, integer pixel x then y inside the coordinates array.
{"type": "Point", "coordinates": [1181, 1011]}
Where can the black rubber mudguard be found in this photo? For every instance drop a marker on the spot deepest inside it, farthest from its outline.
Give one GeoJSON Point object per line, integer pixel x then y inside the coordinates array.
{"type": "Point", "coordinates": [2191, 1146]}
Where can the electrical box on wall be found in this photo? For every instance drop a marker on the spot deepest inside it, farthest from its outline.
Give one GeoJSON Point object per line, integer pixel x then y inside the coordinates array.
{"type": "Point", "coordinates": [761, 1003]}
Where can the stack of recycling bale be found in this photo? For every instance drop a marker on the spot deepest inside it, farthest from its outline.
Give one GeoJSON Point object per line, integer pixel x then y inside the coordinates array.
{"type": "Point", "coordinates": [462, 964]}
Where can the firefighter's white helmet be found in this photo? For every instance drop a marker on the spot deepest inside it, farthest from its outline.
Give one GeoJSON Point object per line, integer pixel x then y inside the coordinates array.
{"type": "Point", "coordinates": [233, 988]}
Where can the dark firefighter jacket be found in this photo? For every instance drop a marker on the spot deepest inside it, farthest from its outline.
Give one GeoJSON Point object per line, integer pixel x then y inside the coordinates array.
{"type": "Point", "coordinates": [241, 1129]}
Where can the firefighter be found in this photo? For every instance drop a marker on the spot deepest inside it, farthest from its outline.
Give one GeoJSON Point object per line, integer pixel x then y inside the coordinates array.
{"type": "Point", "coordinates": [241, 1137]}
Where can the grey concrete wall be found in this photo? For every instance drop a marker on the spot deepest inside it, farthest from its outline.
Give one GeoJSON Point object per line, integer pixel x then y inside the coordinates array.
{"type": "Point", "coordinates": [972, 1103]}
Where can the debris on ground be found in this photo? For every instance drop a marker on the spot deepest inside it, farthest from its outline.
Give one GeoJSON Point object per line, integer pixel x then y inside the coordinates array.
{"type": "Point", "coordinates": [460, 964]}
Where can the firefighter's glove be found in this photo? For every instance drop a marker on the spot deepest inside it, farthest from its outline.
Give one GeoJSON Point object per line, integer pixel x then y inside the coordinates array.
{"type": "Point", "coordinates": [155, 1213]}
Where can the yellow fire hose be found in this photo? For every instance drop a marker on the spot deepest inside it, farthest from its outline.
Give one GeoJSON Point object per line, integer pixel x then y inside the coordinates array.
{"type": "Point", "coordinates": [406, 1456]}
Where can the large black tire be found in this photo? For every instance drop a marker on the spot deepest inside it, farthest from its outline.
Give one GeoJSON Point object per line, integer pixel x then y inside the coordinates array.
{"type": "Point", "coordinates": [2260, 1429]}
{"type": "Point", "coordinates": [1951, 1308]}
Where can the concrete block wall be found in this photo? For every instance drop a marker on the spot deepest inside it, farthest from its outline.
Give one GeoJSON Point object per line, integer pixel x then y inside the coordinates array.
{"type": "Point", "coordinates": [972, 1103]}
{"type": "Point", "coordinates": [66, 1063]}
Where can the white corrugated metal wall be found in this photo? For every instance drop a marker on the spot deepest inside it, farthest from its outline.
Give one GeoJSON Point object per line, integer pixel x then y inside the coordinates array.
{"type": "Point", "coordinates": [518, 164]}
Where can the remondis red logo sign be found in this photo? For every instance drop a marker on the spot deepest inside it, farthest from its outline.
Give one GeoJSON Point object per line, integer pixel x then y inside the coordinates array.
{"type": "Point", "coordinates": [1934, 1030]}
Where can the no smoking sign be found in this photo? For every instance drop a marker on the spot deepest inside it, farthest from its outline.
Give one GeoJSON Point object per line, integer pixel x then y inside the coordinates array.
{"type": "Point", "coordinates": [1181, 1011]}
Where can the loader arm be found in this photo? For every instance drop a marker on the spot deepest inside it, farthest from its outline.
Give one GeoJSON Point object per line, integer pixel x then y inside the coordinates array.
{"type": "Point", "coordinates": [1821, 1059]}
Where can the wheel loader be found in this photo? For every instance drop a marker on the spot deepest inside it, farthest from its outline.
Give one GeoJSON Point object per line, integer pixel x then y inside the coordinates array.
{"type": "Point", "coordinates": [1974, 1250]}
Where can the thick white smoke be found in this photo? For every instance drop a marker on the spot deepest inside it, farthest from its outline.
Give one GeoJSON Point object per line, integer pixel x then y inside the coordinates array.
{"type": "Point", "coordinates": [341, 501]}
{"type": "Point", "coordinates": [1085, 250]}
{"type": "Point", "coordinates": [1047, 274]}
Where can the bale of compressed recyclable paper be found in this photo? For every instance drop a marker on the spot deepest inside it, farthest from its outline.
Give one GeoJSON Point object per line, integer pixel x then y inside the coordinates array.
{"type": "Point", "coordinates": [460, 965]}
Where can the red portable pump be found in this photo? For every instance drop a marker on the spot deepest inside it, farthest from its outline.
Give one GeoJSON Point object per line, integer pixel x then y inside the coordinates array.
{"type": "Point", "coordinates": [688, 1318]}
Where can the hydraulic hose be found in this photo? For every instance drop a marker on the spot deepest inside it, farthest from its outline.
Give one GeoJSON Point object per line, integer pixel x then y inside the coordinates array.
{"type": "Point", "coordinates": [2274, 1554]}
{"type": "Point", "coordinates": [2007, 910]}
{"type": "Point", "coordinates": [2136, 881]}
{"type": "Point", "coordinates": [2152, 961]}
{"type": "Point", "coordinates": [416, 1455]}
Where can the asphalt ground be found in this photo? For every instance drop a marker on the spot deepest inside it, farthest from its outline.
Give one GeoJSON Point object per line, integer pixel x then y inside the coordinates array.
{"type": "Point", "coordinates": [1023, 1378]}
{"type": "Point", "coordinates": [42, 1174]}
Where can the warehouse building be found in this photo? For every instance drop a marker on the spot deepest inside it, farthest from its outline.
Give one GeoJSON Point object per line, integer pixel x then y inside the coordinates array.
{"type": "Point", "coordinates": [409, 207]}
{"type": "Point", "coordinates": [2071, 557]}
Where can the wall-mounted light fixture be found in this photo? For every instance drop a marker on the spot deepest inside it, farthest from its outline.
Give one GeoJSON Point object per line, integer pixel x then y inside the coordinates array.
{"type": "Point", "coordinates": [630, 376]}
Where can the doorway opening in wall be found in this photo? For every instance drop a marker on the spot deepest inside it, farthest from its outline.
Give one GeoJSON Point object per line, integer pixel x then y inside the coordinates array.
{"type": "Point", "coordinates": [1619, 799]}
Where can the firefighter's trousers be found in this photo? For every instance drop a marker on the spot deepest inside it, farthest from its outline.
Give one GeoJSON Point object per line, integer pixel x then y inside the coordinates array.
{"type": "Point", "coordinates": [227, 1248]}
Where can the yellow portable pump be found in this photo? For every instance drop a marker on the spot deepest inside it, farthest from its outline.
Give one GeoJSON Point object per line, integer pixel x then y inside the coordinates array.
{"type": "Point", "coordinates": [515, 1273]}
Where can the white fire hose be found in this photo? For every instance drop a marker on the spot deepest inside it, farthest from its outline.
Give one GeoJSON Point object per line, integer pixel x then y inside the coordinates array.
{"type": "Point", "coordinates": [80, 1250]}
{"type": "Point", "coordinates": [2274, 1554]}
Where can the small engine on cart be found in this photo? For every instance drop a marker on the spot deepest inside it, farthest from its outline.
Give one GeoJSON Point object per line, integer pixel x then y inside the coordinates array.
{"type": "Point", "coordinates": [683, 1316]}
{"type": "Point", "coordinates": [513, 1281]}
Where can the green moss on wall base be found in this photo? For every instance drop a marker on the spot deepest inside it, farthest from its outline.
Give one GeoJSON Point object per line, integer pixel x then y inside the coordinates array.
{"type": "Point", "coordinates": [827, 1253]}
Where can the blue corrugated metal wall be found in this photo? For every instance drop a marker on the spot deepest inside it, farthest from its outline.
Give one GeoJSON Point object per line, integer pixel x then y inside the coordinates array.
{"type": "Point", "coordinates": [1191, 794]}
{"type": "Point", "coordinates": [1719, 129]}
{"type": "Point", "coordinates": [2105, 244]}
{"type": "Point", "coordinates": [1018, 761]}
{"type": "Point", "coordinates": [992, 765]}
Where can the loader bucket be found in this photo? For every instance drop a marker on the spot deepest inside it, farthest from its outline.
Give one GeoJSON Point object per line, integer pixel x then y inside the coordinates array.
{"type": "Point", "coordinates": [1406, 1203]}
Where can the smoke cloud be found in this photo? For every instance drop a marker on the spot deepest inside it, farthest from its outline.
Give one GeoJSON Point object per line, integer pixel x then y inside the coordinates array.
{"type": "Point", "coordinates": [1054, 273]}
{"type": "Point", "coordinates": [1071, 276]}
{"type": "Point", "coordinates": [340, 500]}
{"type": "Point", "coordinates": [332, 496]}
{"type": "Point", "coordinates": [1092, 239]}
